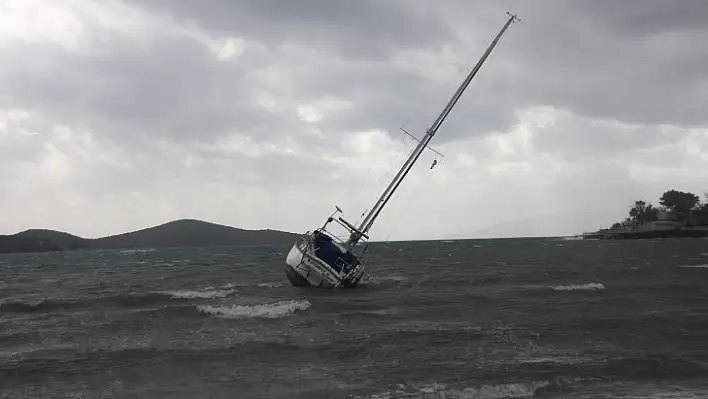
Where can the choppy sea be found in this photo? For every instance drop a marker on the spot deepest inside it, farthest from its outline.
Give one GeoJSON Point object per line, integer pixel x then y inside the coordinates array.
{"type": "Point", "coordinates": [504, 318]}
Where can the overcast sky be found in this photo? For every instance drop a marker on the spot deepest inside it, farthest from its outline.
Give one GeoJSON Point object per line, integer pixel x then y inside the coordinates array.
{"type": "Point", "coordinates": [118, 115]}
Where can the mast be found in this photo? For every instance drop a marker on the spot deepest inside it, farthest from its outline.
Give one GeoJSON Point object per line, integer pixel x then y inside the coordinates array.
{"type": "Point", "coordinates": [429, 133]}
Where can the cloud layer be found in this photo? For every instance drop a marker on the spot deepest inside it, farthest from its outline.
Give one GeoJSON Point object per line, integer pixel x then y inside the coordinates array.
{"type": "Point", "coordinates": [119, 115]}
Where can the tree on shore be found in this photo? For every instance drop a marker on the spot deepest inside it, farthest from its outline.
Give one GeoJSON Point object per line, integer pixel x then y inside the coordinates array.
{"type": "Point", "coordinates": [679, 202]}
{"type": "Point", "coordinates": [640, 212]}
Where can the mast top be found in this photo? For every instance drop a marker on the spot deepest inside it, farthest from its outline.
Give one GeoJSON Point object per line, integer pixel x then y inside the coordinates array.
{"type": "Point", "coordinates": [514, 17]}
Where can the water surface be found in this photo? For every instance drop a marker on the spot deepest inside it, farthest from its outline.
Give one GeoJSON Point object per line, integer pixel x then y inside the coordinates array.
{"type": "Point", "coordinates": [468, 319]}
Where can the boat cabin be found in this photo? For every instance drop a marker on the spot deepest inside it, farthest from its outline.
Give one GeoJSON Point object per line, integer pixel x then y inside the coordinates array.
{"type": "Point", "coordinates": [335, 254]}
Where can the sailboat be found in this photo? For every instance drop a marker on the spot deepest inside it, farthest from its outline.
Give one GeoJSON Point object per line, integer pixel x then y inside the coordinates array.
{"type": "Point", "coordinates": [320, 258]}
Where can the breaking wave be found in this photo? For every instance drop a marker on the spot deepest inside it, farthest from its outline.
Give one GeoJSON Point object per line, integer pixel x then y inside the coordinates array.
{"type": "Point", "coordinates": [512, 390]}
{"type": "Point", "coordinates": [270, 285]}
{"type": "Point", "coordinates": [136, 251]}
{"type": "Point", "coordinates": [208, 294]}
{"type": "Point", "coordinates": [38, 305]}
{"type": "Point", "coordinates": [374, 280]}
{"type": "Point", "coordinates": [580, 287]}
{"type": "Point", "coordinates": [127, 300]}
{"type": "Point", "coordinates": [571, 238]}
{"type": "Point", "coordinates": [263, 310]}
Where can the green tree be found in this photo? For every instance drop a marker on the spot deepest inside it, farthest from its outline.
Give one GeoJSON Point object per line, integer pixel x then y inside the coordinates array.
{"type": "Point", "coordinates": [635, 212]}
{"type": "Point", "coordinates": [651, 214]}
{"type": "Point", "coordinates": [641, 212]}
{"type": "Point", "coordinates": [679, 202]}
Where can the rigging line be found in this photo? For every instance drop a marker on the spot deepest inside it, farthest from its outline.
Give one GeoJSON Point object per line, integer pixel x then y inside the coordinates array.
{"type": "Point", "coordinates": [429, 97]}
{"type": "Point", "coordinates": [427, 100]}
{"type": "Point", "coordinates": [412, 198]}
{"type": "Point", "coordinates": [388, 193]}
{"type": "Point", "coordinates": [384, 179]}
{"type": "Point", "coordinates": [363, 193]}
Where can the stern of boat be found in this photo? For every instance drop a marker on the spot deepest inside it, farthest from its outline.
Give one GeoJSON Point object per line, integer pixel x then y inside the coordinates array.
{"type": "Point", "coordinates": [321, 259]}
{"type": "Point", "coordinates": [293, 262]}
{"type": "Point", "coordinates": [355, 277]}
{"type": "Point", "coordinates": [303, 269]}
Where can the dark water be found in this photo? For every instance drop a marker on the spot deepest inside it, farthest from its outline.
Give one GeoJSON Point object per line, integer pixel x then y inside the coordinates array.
{"type": "Point", "coordinates": [487, 319]}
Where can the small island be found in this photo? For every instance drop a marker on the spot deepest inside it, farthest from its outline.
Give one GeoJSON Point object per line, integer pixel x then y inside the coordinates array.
{"type": "Point", "coordinates": [679, 214]}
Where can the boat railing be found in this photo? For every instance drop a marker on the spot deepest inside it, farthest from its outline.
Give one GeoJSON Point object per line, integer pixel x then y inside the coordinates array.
{"type": "Point", "coordinates": [351, 229]}
{"type": "Point", "coordinates": [343, 265]}
{"type": "Point", "coordinates": [336, 238]}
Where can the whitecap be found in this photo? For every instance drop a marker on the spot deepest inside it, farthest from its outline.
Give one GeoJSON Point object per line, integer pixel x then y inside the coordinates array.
{"type": "Point", "coordinates": [136, 251]}
{"type": "Point", "coordinates": [555, 359]}
{"type": "Point", "coordinates": [265, 310]}
{"type": "Point", "coordinates": [270, 285]}
{"type": "Point", "coordinates": [207, 294]}
{"type": "Point", "coordinates": [381, 312]}
{"type": "Point", "coordinates": [395, 279]}
{"type": "Point", "coordinates": [695, 266]}
{"type": "Point", "coordinates": [511, 390]}
{"type": "Point", "coordinates": [580, 287]}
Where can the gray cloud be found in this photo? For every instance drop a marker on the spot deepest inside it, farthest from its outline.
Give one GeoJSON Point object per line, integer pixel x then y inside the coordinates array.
{"type": "Point", "coordinates": [560, 55]}
{"type": "Point", "coordinates": [600, 59]}
{"type": "Point", "coordinates": [168, 88]}
{"type": "Point", "coordinates": [648, 75]}
{"type": "Point", "coordinates": [346, 27]}
{"type": "Point", "coordinates": [165, 113]}
{"type": "Point", "coordinates": [651, 17]}
{"type": "Point", "coordinates": [573, 139]}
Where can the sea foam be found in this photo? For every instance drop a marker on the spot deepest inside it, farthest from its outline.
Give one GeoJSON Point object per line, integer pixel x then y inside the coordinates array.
{"type": "Point", "coordinates": [265, 310]}
{"type": "Point", "coordinates": [580, 287]}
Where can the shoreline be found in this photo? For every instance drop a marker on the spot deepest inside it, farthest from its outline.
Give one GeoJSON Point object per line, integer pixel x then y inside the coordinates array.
{"type": "Point", "coordinates": [639, 235]}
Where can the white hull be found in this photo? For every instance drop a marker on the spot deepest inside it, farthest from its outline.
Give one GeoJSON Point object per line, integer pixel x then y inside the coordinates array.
{"type": "Point", "coordinates": [303, 268]}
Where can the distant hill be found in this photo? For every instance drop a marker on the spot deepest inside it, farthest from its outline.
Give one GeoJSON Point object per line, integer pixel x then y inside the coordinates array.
{"type": "Point", "coordinates": [61, 239]}
{"type": "Point", "coordinates": [26, 242]}
{"type": "Point", "coordinates": [191, 233]}
{"type": "Point", "coordinates": [553, 225]}
{"type": "Point", "coordinates": [179, 233]}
